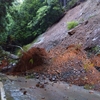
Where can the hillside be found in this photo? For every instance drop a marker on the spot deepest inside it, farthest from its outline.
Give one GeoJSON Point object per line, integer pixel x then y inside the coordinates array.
{"type": "Point", "coordinates": [69, 55]}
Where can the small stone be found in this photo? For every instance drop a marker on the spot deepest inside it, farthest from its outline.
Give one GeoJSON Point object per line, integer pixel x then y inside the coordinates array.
{"type": "Point", "coordinates": [50, 79]}
{"type": "Point", "coordinates": [71, 32]}
{"type": "Point", "coordinates": [41, 85]}
{"type": "Point", "coordinates": [24, 92]}
{"type": "Point", "coordinates": [86, 22]}
{"type": "Point", "coordinates": [37, 77]}
{"type": "Point", "coordinates": [37, 85]}
{"type": "Point", "coordinates": [53, 79]}
{"type": "Point", "coordinates": [45, 82]}
{"type": "Point", "coordinates": [91, 92]}
{"type": "Point", "coordinates": [43, 98]}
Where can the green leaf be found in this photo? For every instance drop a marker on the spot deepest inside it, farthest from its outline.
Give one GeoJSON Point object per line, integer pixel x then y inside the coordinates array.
{"type": "Point", "coordinates": [31, 61]}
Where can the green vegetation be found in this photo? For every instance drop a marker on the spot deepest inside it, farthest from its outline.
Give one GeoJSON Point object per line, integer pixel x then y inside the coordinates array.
{"type": "Point", "coordinates": [31, 61]}
{"type": "Point", "coordinates": [88, 87]}
{"type": "Point", "coordinates": [71, 4]}
{"type": "Point", "coordinates": [25, 21]}
{"type": "Point", "coordinates": [21, 23]}
{"type": "Point", "coordinates": [4, 6]}
{"type": "Point", "coordinates": [29, 76]}
{"type": "Point", "coordinates": [72, 24]}
{"type": "Point", "coordinates": [93, 50]}
{"type": "Point", "coordinates": [96, 50]}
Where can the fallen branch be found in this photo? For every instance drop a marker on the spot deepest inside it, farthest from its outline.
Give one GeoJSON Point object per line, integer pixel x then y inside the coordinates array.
{"type": "Point", "coordinates": [12, 56]}
{"type": "Point", "coordinates": [17, 47]}
{"type": "Point", "coordinates": [8, 54]}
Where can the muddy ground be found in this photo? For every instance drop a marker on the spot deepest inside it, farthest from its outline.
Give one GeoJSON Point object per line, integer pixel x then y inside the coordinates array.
{"type": "Point", "coordinates": [34, 89]}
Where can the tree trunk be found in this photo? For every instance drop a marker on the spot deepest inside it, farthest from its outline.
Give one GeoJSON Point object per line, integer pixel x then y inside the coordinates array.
{"type": "Point", "coordinates": [65, 1]}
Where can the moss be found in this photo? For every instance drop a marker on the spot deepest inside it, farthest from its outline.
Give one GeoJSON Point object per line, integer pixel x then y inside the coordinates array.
{"type": "Point", "coordinates": [72, 24]}
{"type": "Point", "coordinates": [29, 76]}
{"type": "Point", "coordinates": [88, 87]}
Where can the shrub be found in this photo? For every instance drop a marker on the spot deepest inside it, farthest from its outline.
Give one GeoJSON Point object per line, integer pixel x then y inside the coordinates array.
{"type": "Point", "coordinates": [71, 4]}
{"type": "Point", "coordinates": [71, 24]}
{"type": "Point", "coordinates": [95, 50]}
{"type": "Point", "coordinates": [88, 86]}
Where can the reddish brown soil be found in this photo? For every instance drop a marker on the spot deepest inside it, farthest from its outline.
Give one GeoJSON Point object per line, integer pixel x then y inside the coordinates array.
{"type": "Point", "coordinates": [30, 59]}
{"type": "Point", "coordinates": [4, 63]}
{"type": "Point", "coordinates": [96, 60]}
{"type": "Point", "coordinates": [72, 64]}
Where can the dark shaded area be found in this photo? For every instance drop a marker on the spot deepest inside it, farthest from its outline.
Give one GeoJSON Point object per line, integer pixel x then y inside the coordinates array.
{"type": "Point", "coordinates": [4, 4]}
{"type": "Point", "coordinates": [98, 68]}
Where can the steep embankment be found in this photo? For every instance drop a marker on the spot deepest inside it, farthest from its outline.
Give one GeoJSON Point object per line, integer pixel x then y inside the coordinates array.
{"type": "Point", "coordinates": [54, 35]}
{"type": "Point", "coordinates": [68, 55]}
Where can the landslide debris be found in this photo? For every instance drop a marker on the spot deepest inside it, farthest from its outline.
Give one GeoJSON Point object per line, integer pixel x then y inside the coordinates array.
{"type": "Point", "coordinates": [59, 56]}
{"type": "Point", "coordinates": [71, 65]}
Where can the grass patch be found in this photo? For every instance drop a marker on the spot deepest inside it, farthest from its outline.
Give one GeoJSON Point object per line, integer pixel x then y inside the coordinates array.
{"type": "Point", "coordinates": [25, 48]}
{"type": "Point", "coordinates": [29, 76]}
{"type": "Point", "coordinates": [72, 24]}
{"type": "Point", "coordinates": [88, 87]}
{"type": "Point", "coordinates": [96, 50]}
{"type": "Point", "coordinates": [93, 50]}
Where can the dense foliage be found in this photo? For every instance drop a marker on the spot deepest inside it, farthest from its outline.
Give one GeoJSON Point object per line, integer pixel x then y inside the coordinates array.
{"type": "Point", "coordinates": [4, 5]}
{"type": "Point", "coordinates": [30, 19]}
{"type": "Point", "coordinates": [21, 23]}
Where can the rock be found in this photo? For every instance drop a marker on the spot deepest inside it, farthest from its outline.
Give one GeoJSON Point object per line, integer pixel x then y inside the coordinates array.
{"type": "Point", "coordinates": [37, 77]}
{"type": "Point", "coordinates": [24, 92]}
{"type": "Point", "coordinates": [91, 92]}
{"type": "Point", "coordinates": [53, 79]}
{"type": "Point", "coordinates": [86, 22]}
{"type": "Point", "coordinates": [12, 56]}
{"type": "Point", "coordinates": [98, 68]}
{"type": "Point", "coordinates": [46, 82]}
{"type": "Point", "coordinates": [41, 86]}
{"type": "Point", "coordinates": [71, 32]}
{"type": "Point", "coordinates": [37, 85]}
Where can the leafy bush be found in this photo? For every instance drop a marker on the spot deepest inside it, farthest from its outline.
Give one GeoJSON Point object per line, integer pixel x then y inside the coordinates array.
{"type": "Point", "coordinates": [32, 19]}
{"type": "Point", "coordinates": [72, 24]}
{"type": "Point", "coordinates": [71, 4]}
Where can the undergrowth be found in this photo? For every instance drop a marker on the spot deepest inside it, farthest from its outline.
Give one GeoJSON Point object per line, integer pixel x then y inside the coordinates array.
{"type": "Point", "coordinates": [72, 24]}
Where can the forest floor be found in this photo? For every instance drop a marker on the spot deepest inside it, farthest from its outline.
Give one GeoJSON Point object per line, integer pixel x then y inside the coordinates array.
{"type": "Point", "coordinates": [67, 55]}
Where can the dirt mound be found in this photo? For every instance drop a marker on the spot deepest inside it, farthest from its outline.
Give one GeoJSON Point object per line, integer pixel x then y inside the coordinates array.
{"type": "Point", "coordinates": [72, 65]}
{"type": "Point", "coordinates": [30, 59]}
{"type": "Point", "coordinates": [75, 66]}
